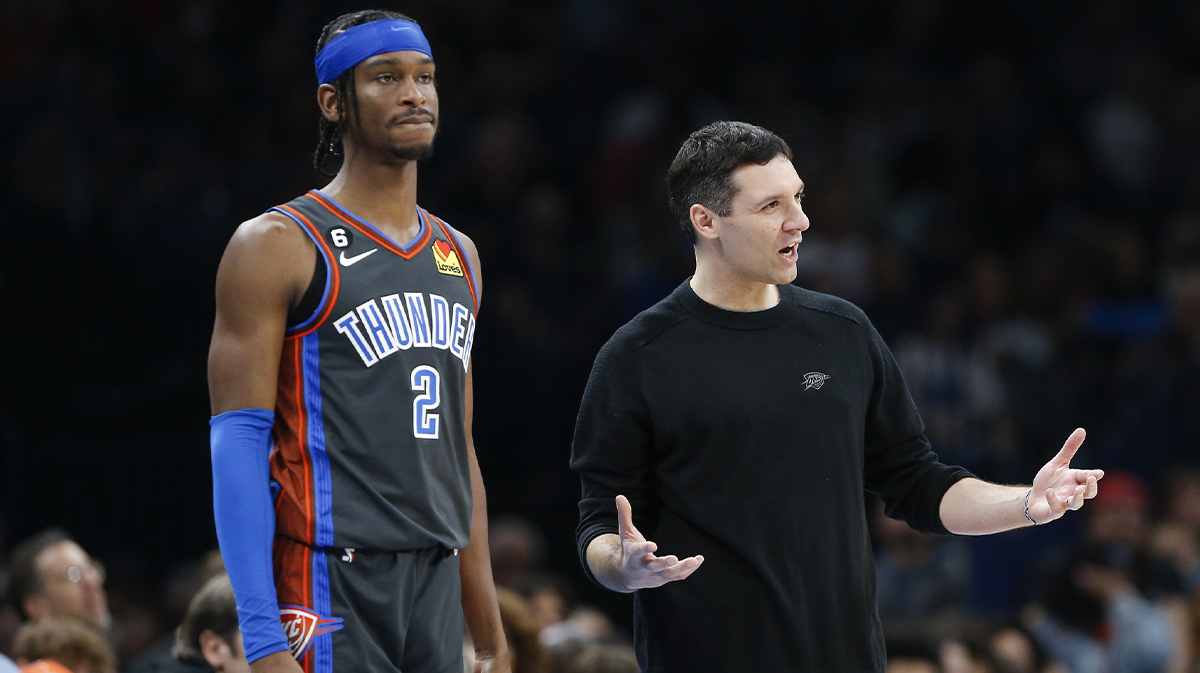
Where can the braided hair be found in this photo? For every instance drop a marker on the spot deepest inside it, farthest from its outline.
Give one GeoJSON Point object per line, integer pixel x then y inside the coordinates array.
{"type": "Point", "coordinates": [331, 133]}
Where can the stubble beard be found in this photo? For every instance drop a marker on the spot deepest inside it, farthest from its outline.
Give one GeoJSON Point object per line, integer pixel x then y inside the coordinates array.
{"type": "Point", "coordinates": [413, 152]}
{"type": "Point", "coordinates": [417, 151]}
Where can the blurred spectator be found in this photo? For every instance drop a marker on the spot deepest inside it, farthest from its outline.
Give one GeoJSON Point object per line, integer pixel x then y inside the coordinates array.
{"type": "Point", "coordinates": [518, 549]}
{"type": "Point", "coordinates": [1095, 618]}
{"type": "Point", "coordinates": [963, 656]}
{"type": "Point", "coordinates": [521, 628]}
{"type": "Point", "coordinates": [913, 654]}
{"type": "Point", "coordinates": [1177, 536]}
{"type": "Point", "coordinates": [1014, 650]}
{"type": "Point", "coordinates": [68, 641]}
{"type": "Point", "coordinates": [210, 629]}
{"type": "Point", "coordinates": [1121, 511]}
{"type": "Point", "coordinates": [45, 666]}
{"type": "Point", "coordinates": [10, 621]}
{"type": "Point", "coordinates": [1115, 605]}
{"type": "Point", "coordinates": [917, 575]}
{"type": "Point", "coordinates": [182, 585]}
{"type": "Point", "coordinates": [208, 639]}
{"type": "Point", "coordinates": [604, 659]}
{"type": "Point", "coordinates": [550, 596]}
{"type": "Point", "coordinates": [52, 576]}
{"type": "Point", "coordinates": [185, 579]}
{"type": "Point", "coordinates": [581, 629]}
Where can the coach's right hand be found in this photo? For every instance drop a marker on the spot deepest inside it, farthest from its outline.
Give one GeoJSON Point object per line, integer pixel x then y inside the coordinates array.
{"type": "Point", "coordinates": [278, 662]}
{"type": "Point", "coordinates": [626, 562]}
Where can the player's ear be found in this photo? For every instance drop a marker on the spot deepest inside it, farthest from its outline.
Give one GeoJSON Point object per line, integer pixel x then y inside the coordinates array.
{"type": "Point", "coordinates": [703, 221]}
{"type": "Point", "coordinates": [327, 101]}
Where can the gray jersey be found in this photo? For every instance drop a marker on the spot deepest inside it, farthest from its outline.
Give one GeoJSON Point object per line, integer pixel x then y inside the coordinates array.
{"type": "Point", "coordinates": [370, 449]}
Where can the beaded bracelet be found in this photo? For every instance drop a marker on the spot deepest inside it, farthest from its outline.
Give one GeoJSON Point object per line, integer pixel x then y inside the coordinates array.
{"type": "Point", "coordinates": [1027, 494]}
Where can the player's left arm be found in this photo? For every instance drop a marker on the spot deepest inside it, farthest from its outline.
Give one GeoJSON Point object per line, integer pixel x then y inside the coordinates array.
{"type": "Point", "coordinates": [975, 507]}
{"type": "Point", "coordinates": [480, 608]}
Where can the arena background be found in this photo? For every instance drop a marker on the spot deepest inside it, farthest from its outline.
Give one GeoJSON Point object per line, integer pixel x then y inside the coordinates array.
{"type": "Point", "coordinates": [1010, 190]}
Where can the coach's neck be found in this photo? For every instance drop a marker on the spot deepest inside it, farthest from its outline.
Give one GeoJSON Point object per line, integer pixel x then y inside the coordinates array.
{"type": "Point", "coordinates": [720, 285]}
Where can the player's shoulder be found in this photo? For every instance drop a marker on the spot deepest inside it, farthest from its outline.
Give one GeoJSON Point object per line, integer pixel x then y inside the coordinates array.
{"type": "Point", "coordinates": [267, 250]}
{"type": "Point", "coordinates": [812, 300]}
{"type": "Point", "coordinates": [267, 232]}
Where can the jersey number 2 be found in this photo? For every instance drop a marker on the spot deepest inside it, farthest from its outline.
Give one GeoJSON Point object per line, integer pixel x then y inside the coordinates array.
{"type": "Point", "coordinates": [425, 380]}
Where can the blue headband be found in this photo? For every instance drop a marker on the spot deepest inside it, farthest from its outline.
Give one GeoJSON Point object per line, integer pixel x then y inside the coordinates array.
{"type": "Point", "coordinates": [359, 43]}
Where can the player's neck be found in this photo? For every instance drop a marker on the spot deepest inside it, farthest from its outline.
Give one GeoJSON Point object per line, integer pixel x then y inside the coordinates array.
{"type": "Point", "coordinates": [723, 289]}
{"type": "Point", "coordinates": [382, 194]}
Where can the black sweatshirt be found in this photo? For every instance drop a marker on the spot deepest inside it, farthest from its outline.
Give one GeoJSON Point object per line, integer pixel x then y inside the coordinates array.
{"type": "Point", "coordinates": [749, 438]}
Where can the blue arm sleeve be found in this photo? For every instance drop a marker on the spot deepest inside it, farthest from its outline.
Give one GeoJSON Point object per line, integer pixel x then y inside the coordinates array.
{"type": "Point", "coordinates": [240, 442]}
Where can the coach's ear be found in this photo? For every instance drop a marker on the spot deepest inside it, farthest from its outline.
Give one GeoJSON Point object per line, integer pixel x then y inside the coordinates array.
{"type": "Point", "coordinates": [703, 221]}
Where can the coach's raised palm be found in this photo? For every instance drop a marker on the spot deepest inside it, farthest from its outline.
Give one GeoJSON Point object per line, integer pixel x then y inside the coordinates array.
{"type": "Point", "coordinates": [640, 568]}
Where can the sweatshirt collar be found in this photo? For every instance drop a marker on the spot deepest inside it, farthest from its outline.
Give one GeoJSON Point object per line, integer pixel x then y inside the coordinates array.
{"type": "Point", "coordinates": [746, 320]}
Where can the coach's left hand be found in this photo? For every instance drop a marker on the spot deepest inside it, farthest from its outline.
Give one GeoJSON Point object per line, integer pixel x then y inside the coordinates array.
{"type": "Point", "coordinates": [1058, 487]}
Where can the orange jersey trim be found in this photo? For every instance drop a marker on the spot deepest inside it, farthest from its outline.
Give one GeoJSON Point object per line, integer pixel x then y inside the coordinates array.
{"type": "Point", "coordinates": [291, 465]}
{"type": "Point", "coordinates": [414, 247]}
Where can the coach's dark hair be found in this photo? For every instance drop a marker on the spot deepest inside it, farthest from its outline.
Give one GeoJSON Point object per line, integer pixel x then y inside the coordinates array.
{"type": "Point", "coordinates": [213, 608]}
{"type": "Point", "coordinates": [702, 170]}
{"type": "Point", "coordinates": [24, 578]}
{"type": "Point", "coordinates": [347, 100]}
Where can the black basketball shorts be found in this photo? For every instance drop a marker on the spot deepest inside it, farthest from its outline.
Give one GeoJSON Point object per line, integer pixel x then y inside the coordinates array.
{"type": "Point", "coordinates": [380, 611]}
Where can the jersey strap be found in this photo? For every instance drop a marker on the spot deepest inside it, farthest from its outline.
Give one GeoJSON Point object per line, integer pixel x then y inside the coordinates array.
{"type": "Point", "coordinates": [452, 238]}
{"type": "Point", "coordinates": [332, 275]}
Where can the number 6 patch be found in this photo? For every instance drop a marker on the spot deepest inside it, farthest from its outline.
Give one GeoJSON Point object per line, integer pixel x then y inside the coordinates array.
{"type": "Point", "coordinates": [340, 237]}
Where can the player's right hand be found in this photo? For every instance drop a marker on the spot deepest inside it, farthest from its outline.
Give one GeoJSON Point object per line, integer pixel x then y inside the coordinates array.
{"type": "Point", "coordinates": [277, 662]}
{"type": "Point", "coordinates": [638, 565]}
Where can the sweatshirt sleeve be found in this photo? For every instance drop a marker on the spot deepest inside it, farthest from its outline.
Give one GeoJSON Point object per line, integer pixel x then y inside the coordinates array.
{"type": "Point", "coordinates": [612, 446]}
{"type": "Point", "coordinates": [899, 464]}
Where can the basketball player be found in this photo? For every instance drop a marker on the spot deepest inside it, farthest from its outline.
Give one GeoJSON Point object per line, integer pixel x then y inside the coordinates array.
{"type": "Point", "coordinates": [727, 434]}
{"type": "Point", "coordinates": [348, 501]}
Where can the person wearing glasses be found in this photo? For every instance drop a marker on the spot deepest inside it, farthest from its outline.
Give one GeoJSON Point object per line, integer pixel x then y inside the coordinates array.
{"type": "Point", "coordinates": [52, 576]}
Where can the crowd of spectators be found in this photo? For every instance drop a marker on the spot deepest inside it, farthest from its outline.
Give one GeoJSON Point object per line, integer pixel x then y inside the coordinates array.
{"type": "Point", "coordinates": [58, 619]}
{"type": "Point", "coordinates": [1010, 191]}
{"type": "Point", "coordinates": [1120, 597]}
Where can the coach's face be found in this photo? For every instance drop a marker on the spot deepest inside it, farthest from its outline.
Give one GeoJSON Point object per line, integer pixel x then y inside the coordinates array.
{"type": "Point", "coordinates": [759, 237]}
{"type": "Point", "coordinates": [397, 104]}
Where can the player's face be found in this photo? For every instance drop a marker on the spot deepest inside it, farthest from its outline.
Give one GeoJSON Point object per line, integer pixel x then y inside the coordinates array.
{"type": "Point", "coordinates": [759, 237]}
{"type": "Point", "coordinates": [72, 585]}
{"type": "Point", "coordinates": [397, 104]}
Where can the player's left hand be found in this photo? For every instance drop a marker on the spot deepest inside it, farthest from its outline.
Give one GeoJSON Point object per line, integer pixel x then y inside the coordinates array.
{"type": "Point", "coordinates": [487, 663]}
{"type": "Point", "coordinates": [1057, 487]}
